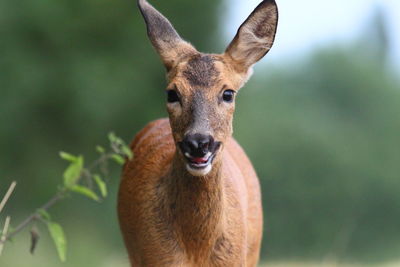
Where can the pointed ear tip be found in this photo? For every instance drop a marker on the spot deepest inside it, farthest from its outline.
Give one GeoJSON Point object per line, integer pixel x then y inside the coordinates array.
{"type": "Point", "coordinates": [144, 7]}
{"type": "Point", "coordinates": [268, 2]}
{"type": "Point", "coordinates": [141, 3]}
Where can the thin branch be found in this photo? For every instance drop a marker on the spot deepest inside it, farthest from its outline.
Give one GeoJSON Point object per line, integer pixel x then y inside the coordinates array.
{"type": "Point", "coordinates": [35, 216]}
{"type": "Point", "coordinates": [54, 200]}
{"type": "Point", "coordinates": [100, 161]}
{"type": "Point", "coordinates": [88, 177]}
{"type": "Point", "coordinates": [7, 195]}
{"type": "Point", "coordinates": [4, 234]}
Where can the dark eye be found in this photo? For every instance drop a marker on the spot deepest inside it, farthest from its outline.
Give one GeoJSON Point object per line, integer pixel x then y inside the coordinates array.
{"type": "Point", "coordinates": [172, 96]}
{"type": "Point", "coordinates": [228, 96]}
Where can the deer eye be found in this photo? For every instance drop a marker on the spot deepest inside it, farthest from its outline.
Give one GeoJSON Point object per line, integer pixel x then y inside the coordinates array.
{"type": "Point", "coordinates": [228, 96]}
{"type": "Point", "coordinates": [172, 96]}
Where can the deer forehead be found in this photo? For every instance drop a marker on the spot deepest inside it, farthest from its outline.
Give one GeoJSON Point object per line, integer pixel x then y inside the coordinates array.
{"type": "Point", "coordinates": [207, 72]}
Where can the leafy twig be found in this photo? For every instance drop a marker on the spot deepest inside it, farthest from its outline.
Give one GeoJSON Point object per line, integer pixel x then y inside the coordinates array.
{"type": "Point", "coordinates": [72, 183]}
{"type": "Point", "coordinates": [60, 195]}
{"type": "Point", "coordinates": [35, 216]}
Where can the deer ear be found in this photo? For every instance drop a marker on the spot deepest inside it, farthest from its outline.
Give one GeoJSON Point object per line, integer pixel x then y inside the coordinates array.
{"type": "Point", "coordinates": [169, 45]}
{"type": "Point", "coordinates": [255, 36]}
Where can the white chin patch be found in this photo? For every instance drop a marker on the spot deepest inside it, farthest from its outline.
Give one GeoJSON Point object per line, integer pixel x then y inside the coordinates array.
{"type": "Point", "coordinates": [199, 172]}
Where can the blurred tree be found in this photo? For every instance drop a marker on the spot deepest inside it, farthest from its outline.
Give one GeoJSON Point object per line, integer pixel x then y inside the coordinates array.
{"type": "Point", "coordinates": [325, 144]}
{"type": "Point", "coordinates": [376, 39]}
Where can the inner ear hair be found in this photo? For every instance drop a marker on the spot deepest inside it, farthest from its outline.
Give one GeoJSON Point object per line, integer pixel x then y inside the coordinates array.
{"type": "Point", "coordinates": [255, 36]}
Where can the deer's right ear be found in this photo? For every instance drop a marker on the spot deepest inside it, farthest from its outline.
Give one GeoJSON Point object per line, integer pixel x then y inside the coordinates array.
{"type": "Point", "coordinates": [255, 36]}
{"type": "Point", "coordinates": [169, 45]}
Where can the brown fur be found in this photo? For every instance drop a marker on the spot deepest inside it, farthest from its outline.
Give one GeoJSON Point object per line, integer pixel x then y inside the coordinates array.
{"type": "Point", "coordinates": [169, 217]}
{"type": "Point", "coordinates": [201, 71]}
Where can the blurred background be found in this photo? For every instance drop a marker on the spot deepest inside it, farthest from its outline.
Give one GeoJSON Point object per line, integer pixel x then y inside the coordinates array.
{"type": "Point", "coordinates": [325, 104]}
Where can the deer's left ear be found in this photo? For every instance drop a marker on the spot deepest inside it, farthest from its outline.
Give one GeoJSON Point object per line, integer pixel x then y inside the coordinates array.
{"type": "Point", "coordinates": [255, 36]}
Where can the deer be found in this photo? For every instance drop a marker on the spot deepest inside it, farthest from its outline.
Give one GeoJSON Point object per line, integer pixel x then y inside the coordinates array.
{"type": "Point", "coordinates": [190, 196]}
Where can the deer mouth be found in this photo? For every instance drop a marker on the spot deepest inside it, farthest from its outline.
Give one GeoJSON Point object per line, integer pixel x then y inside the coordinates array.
{"type": "Point", "coordinates": [199, 156]}
{"type": "Point", "coordinates": [199, 162]}
{"type": "Point", "coordinates": [198, 165]}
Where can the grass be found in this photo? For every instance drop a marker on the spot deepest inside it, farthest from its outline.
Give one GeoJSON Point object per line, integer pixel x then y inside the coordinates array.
{"type": "Point", "coordinates": [83, 252]}
{"type": "Point", "coordinates": [325, 264]}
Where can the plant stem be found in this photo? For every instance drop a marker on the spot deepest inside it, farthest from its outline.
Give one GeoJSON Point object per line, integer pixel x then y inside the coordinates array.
{"type": "Point", "coordinates": [35, 216]}
{"type": "Point", "coordinates": [7, 195]}
{"type": "Point", "coordinates": [100, 161]}
{"type": "Point", "coordinates": [4, 234]}
{"type": "Point", "coordinates": [54, 200]}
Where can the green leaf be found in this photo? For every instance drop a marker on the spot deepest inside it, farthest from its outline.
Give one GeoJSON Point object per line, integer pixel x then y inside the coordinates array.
{"type": "Point", "coordinates": [118, 159]}
{"type": "Point", "coordinates": [58, 236]}
{"type": "Point", "coordinates": [101, 185]}
{"type": "Point", "coordinates": [85, 191]}
{"type": "Point", "coordinates": [73, 172]}
{"type": "Point", "coordinates": [68, 157]}
{"type": "Point", "coordinates": [100, 149]}
{"type": "Point", "coordinates": [44, 214]}
{"type": "Point", "coordinates": [127, 151]}
{"type": "Point", "coordinates": [115, 139]}
{"type": "Point", "coordinates": [112, 137]}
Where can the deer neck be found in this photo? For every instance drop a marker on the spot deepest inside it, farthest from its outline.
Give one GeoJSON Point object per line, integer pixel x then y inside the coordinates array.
{"type": "Point", "coordinates": [197, 206]}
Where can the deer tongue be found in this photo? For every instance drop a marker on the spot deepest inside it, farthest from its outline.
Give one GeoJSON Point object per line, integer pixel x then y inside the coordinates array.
{"type": "Point", "coordinates": [199, 160]}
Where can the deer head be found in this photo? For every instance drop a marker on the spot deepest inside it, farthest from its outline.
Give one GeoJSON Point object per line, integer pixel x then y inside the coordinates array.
{"type": "Point", "coordinates": [202, 87]}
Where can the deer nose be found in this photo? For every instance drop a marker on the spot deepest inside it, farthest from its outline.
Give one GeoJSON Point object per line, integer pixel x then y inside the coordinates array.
{"type": "Point", "coordinates": [197, 145]}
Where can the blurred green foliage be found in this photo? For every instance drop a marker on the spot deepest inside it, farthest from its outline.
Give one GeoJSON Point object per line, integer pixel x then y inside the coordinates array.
{"type": "Point", "coordinates": [329, 159]}
{"type": "Point", "coordinates": [323, 133]}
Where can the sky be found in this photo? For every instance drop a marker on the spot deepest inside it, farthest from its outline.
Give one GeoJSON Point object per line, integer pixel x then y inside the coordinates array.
{"type": "Point", "coordinates": [309, 24]}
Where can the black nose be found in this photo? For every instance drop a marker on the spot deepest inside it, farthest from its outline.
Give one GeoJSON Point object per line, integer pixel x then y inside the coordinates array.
{"type": "Point", "coordinates": [197, 145]}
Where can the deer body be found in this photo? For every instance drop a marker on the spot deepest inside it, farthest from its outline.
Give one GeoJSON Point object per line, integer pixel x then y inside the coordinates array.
{"type": "Point", "coordinates": [190, 196]}
{"type": "Point", "coordinates": [175, 219]}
